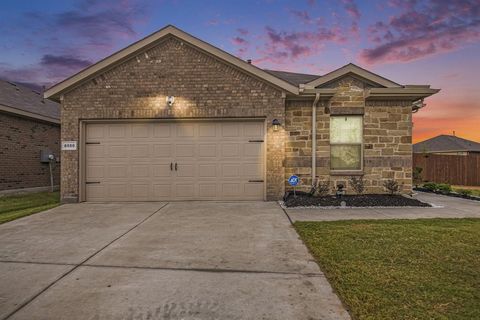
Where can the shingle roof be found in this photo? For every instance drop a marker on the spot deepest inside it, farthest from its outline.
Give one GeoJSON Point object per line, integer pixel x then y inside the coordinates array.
{"type": "Point", "coordinates": [292, 77]}
{"type": "Point", "coordinates": [21, 98]}
{"type": "Point", "coordinates": [446, 143]}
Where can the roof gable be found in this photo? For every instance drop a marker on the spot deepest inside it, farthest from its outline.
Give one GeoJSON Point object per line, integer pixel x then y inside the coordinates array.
{"type": "Point", "coordinates": [356, 71]}
{"type": "Point", "coordinates": [149, 41]}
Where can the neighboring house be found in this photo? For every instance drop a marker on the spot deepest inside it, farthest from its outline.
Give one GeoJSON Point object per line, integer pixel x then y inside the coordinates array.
{"type": "Point", "coordinates": [448, 145]}
{"type": "Point", "coordinates": [29, 124]}
{"type": "Point", "coordinates": [171, 117]}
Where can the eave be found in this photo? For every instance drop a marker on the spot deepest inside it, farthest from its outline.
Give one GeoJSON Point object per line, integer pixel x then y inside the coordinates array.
{"type": "Point", "coordinates": [403, 93]}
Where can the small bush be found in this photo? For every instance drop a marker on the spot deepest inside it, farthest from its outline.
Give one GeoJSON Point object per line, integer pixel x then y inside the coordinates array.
{"type": "Point", "coordinates": [358, 184]}
{"type": "Point", "coordinates": [430, 186]}
{"type": "Point", "coordinates": [444, 187]}
{"type": "Point", "coordinates": [392, 186]}
{"type": "Point", "coordinates": [417, 175]}
{"type": "Point", "coordinates": [465, 192]}
{"type": "Point", "coordinates": [322, 187]}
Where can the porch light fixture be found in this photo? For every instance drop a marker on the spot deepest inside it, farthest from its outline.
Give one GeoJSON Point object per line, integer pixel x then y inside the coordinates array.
{"type": "Point", "coordinates": [276, 124]}
{"type": "Point", "coordinates": [170, 100]}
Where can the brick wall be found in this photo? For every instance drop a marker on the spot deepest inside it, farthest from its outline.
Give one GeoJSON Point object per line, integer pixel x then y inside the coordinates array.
{"type": "Point", "coordinates": [203, 87]}
{"type": "Point", "coordinates": [21, 140]}
{"type": "Point", "coordinates": [387, 138]}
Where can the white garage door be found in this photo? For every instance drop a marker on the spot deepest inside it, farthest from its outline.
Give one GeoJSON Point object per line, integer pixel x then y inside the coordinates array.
{"type": "Point", "coordinates": [153, 161]}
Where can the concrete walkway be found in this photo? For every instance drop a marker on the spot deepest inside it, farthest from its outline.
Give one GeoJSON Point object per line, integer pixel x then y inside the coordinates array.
{"type": "Point", "coordinates": [192, 260]}
{"type": "Point", "coordinates": [446, 207]}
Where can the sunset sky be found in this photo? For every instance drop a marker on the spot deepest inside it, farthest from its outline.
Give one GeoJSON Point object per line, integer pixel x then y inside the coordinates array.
{"type": "Point", "coordinates": [409, 42]}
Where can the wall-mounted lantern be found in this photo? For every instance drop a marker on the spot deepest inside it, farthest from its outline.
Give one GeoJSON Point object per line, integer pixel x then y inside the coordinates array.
{"type": "Point", "coordinates": [276, 124]}
{"type": "Point", "coordinates": [170, 100]}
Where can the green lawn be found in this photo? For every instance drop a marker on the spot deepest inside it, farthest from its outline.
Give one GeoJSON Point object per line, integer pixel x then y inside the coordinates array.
{"type": "Point", "coordinates": [14, 207]}
{"type": "Point", "coordinates": [400, 269]}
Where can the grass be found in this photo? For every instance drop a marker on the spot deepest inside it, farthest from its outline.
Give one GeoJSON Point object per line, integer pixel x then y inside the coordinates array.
{"type": "Point", "coordinates": [400, 269]}
{"type": "Point", "coordinates": [474, 189]}
{"type": "Point", "coordinates": [17, 206]}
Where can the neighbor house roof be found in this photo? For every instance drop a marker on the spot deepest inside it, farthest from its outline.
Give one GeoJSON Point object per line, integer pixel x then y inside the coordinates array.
{"type": "Point", "coordinates": [446, 143]}
{"type": "Point", "coordinates": [26, 102]}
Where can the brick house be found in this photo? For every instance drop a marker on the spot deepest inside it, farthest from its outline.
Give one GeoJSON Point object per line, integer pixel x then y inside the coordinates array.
{"type": "Point", "coordinates": [172, 117]}
{"type": "Point", "coordinates": [29, 125]}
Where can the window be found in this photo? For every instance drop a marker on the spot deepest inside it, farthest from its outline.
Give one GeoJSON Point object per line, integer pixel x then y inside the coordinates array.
{"type": "Point", "coordinates": [346, 134]}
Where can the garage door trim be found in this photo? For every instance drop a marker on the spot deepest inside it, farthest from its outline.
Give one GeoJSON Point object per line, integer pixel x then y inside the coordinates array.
{"type": "Point", "coordinates": [82, 142]}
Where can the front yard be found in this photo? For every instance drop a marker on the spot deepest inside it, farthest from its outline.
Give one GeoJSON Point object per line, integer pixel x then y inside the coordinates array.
{"type": "Point", "coordinates": [400, 269]}
{"type": "Point", "coordinates": [14, 207]}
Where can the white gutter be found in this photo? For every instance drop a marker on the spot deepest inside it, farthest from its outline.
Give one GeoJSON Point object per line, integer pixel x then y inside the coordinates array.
{"type": "Point", "coordinates": [314, 137]}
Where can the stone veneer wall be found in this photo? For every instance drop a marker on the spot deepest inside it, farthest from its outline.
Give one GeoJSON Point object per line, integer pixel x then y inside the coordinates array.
{"type": "Point", "coordinates": [387, 138]}
{"type": "Point", "coordinates": [203, 86]}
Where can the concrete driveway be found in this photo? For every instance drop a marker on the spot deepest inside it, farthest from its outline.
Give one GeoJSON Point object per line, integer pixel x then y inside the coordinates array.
{"type": "Point", "coordinates": [191, 260]}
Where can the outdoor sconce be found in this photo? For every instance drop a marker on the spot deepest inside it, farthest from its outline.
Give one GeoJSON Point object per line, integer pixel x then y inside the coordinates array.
{"type": "Point", "coordinates": [170, 100]}
{"type": "Point", "coordinates": [276, 124]}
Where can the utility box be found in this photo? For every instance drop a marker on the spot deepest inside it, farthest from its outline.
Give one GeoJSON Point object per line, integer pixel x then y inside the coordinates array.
{"type": "Point", "coordinates": [45, 155]}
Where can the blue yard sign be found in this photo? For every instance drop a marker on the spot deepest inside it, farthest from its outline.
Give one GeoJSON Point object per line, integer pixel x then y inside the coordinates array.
{"type": "Point", "coordinates": [293, 180]}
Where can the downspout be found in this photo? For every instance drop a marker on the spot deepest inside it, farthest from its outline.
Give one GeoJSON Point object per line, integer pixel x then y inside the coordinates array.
{"type": "Point", "coordinates": [314, 138]}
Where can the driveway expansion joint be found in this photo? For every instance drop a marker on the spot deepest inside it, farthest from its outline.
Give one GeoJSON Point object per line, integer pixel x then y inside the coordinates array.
{"type": "Point", "coordinates": [209, 270]}
{"type": "Point", "coordinates": [76, 266]}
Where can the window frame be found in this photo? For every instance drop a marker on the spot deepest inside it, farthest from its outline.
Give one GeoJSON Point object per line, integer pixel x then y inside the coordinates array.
{"type": "Point", "coordinates": [347, 171]}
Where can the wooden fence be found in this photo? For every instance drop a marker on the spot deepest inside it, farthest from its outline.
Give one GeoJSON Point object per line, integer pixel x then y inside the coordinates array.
{"type": "Point", "coordinates": [452, 169]}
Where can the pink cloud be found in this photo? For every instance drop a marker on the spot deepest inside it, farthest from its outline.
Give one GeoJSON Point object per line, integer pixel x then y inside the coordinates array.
{"type": "Point", "coordinates": [423, 30]}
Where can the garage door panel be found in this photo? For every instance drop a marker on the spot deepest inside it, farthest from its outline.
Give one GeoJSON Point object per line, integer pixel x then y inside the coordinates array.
{"type": "Point", "coordinates": [118, 191]}
{"type": "Point", "coordinates": [95, 192]}
{"type": "Point", "coordinates": [185, 191]}
{"type": "Point", "coordinates": [140, 130]}
{"type": "Point", "coordinates": [207, 170]}
{"type": "Point", "coordinates": [207, 130]}
{"type": "Point", "coordinates": [162, 170]}
{"type": "Point", "coordinates": [140, 151]}
{"type": "Point", "coordinates": [94, 151]}
{"type": "Point", "coordinates": [95, 132]}
{"type": "Point", "coordinates": [117, 171]}
{"type": "Point", "coordinates": [95, 171]}
{"type": "Point", "coordinates": [185, 130]}
{"type": "Point", "coordinates": [135, 161]}
{"type": "Point", "coordinates": [118, 151]}
{"type": "Point", "coordinates": [207, 150]}
{"type": "Point", "coordinates": [162, 131]}
{"type": "Point", "coordinates": [230, 150]}
{"type": "Point", "coordinates": [184, 150]}
{"type": "Point", "coordinates": [162, 191]}
{"type": "Point", "coordinates": [254, 129]}
{"type": "Point", "coordinates": [116, 131]}
{"type": "Point", "coordinates": [162, 150]}
{"type": "Point", "coordinates": [207, 190]}
{"type": "Point", "coordinates": [140, 191]}
{"type": "Point", "coordinates": [140, 171]}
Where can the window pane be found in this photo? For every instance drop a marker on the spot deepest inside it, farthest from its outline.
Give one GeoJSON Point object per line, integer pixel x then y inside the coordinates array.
{"type": "Point", "coordinates": [346, 129]}
{"type": "Point", "coordinates": [345, 157]}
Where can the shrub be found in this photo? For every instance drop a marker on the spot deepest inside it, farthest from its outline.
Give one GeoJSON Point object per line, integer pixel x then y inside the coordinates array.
{"type": "Point", "coordinates": [444, 187]}
{"type": "Point", "coordinates": [417, 175]}
{"type": "Point", "coordinates": [358, 184]}
{"type": "Point", "coordinates": [430, 186]}
{"type": "Point", "coordinates": [465, 192]}
{"type": "Point", "coordinates": [392, 186]}
{"type": "Point", "coordinates": [322, 187]}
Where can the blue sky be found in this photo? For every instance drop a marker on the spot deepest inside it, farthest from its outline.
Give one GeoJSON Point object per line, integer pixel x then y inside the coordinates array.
{"type": "Point", "coordinates": [410, 42]}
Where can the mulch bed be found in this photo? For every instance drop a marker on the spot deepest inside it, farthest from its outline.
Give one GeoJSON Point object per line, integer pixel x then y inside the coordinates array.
{"type": "Point", "coordinates": [368, 200]}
